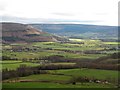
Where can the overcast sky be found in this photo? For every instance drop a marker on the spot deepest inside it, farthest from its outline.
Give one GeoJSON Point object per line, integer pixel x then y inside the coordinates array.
{"type": "Point", "coordinates": [99, 12]}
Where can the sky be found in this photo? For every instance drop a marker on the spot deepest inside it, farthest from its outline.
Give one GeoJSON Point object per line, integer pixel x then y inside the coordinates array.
{"type": "Point", "coordinates": [97, 12]}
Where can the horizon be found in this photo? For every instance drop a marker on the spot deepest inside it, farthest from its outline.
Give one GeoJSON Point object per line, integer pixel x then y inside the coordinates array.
{"type": "Point", "coordinates": [58, 24]}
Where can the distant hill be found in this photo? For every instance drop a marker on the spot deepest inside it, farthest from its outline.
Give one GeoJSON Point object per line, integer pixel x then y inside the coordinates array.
{"type": "Point", "coordinates": [80, 30]}
{"type": "Point", "coordinates": [16, 32]}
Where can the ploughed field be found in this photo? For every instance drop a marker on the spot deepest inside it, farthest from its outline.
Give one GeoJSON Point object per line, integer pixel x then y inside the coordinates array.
{"type": "Point", "coordinates": [78, 63]}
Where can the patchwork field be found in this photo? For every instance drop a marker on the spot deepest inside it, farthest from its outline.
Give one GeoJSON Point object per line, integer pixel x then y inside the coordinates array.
{"type": "Point", "coordinates": [61, 79]}
{"type": "Point", "coordinates": [12, 65]}
{"type": "Point", "coordinates": [79, 63]}
{"type": "Point", "coordinates": [93, 73]}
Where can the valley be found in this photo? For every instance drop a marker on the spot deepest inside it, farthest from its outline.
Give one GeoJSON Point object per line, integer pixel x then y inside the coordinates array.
{"type": "Point", "coordinates": [33, 58]}
{"type": "Point", "coordinates": [63, 62]}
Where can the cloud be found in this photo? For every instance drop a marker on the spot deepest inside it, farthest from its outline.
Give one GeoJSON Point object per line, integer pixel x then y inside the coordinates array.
{"type": "Point", "coordinates": [44, 20]}
{"type": "Point", "coordinates": [102, 13]}
{"type": "Point", "coordinates": [60, 11]}
{"type": "Point", "coordinates": [63, 14]}
{"type": "Point", "coordinates": [3, 5]}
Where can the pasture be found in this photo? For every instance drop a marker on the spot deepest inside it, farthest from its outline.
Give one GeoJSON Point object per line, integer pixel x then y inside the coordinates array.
{"type": "Point", "coordinates": [93, 73]}
{"type": "Point", "coordinates": [60, 79]}
{"type": "Point", "coordinates": [54, 85]}
{"type": "Point", "coordinates": [13, 65]}
{"type": "Point", "coordinates": [33, 54]}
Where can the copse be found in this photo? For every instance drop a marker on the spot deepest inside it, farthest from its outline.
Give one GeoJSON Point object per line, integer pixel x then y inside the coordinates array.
{"type": "Point", "coordinates": [21, 71]}
{"type": "Point", "coordinates": [56, 67]}
{"type": "Point", "coordinates": [92, 65]}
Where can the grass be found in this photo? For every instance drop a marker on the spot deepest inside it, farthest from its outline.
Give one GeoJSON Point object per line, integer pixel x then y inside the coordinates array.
{"type": "Point", "coordinates": [65, 75]}
{"type": "Point", "coordinates": [63, 63]}
{"type": "Point", "coordinates": [54, 85]}
{"type": "Point", "coordinates": [58, 81]}
{"type": "Point", "coordinates": [12, 66]}
{"type": "Point", "coordinates": [10, 62]}
{"type": "Point", "coordinates": [46, 77]}
{"type": "Point", "coordinates": [83, 56]}
{"type": "Point", "coordinates": [112, 43]}
{"type": "Point", "coordinates": [28, 55]}
{"type": "Point", "coordinates": [57, 48]}
{"type": "Point", "coordinates": [88, 45]}
{"type": "Point", "coordinates": [93, 73]}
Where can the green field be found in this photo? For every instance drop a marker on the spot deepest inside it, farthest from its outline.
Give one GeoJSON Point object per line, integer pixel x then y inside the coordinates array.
{"type": "Point", "coordinates": [55, 85]}
{"type": "Point", "coordinates": [10, 62]}
{"type": "Point", "coordinates": [57, 48]}
{"type": "Point", "coordinates": [93, 73]}
{"type": "Point", "coordinates": [55, 79]}
{"type": "Point", "coordinates": [63, 63]}
{"type": "Point", "coordinates": [67, 74]}
{"type": "Point", "coordinates": [46, 77]}
{"type": "Point", "coordinates": [112, 43]}
{"type": "Point", "coordinates": [12, 65]}
{"type": "Point", "coordinates": [40, 53]}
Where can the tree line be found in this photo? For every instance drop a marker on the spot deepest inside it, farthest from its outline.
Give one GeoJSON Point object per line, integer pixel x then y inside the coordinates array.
{"type": "Point", "coordinates": [24, 70]}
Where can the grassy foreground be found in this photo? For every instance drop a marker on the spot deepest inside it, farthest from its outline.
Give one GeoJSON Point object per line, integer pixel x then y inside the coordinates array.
{"type": "Point", "coordinates": [54, 85]}
{"type": "Point", "coordinates": [58, 79]}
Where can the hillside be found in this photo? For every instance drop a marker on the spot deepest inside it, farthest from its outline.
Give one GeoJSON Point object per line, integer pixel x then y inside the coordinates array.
{"type": "Point", "coordinates": [81, 30]}
{"type": "Point", "coordinates": [16, 32]}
